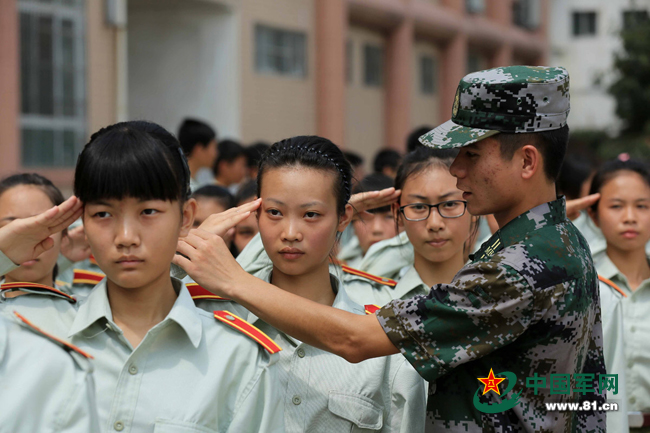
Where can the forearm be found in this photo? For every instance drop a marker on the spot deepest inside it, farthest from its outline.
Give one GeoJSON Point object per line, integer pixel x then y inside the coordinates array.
{"type": "Point", "coordinates": [349, 335]}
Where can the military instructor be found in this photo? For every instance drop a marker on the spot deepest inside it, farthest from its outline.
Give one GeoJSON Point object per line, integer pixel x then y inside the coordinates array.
{"type": "Point", "coordinates": [527, 302]}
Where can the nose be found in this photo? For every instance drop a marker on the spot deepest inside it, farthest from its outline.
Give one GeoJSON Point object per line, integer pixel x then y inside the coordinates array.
{"type": "Point", "coordinates": [376, 226]}
{"type": "Point", "coordinates": [435, 222]}
{"type": "Point", "coordinates": [127, 233]}
{"type": "Point", "coordinates": [291, 231]}
{"type": "Point", "coordinates": [630, 214]}
{"type": "Point", "coordinates": [457, 168]}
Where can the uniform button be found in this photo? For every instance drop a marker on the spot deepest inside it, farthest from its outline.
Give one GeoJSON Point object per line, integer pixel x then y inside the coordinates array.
{"type": "Point", "coordinates": [633, 329]}
{"type": "Point", "coordinates": [301, 353]}
{"type": "Point", "coordinates": [632, 400]}
{"type": "Point", "coordinates": [133, 369]}
{"type": "Point", "coordinates": [630, 364]}
{"type": "Point", "coordinates": [296, 400]}
{"type": "Point", "coordinates": [229, 317]}
{"type": "Point", "coordinates": [119, 426]}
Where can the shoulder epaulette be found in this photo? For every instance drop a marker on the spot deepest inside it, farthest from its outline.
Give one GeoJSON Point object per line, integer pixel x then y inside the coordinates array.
{"type": "Point", "coordinates": [81, 276]}
{"type": "Point", "coordinates": [92, 260]}
{"type": "Point", "coordinates": [198, 292]}
{"type": "Point", "coordinates": [243, 326]}
{"type": "Point", "coordinates": [371, 308]}
{"type": "Point", "coordinates": [374, 278]}
{"type": "Point", "coordinates": [65, 344]}
{"type": "Point", "coordinates": [611, 284]}
{"type": "Point", "coordinates": [33, 287]}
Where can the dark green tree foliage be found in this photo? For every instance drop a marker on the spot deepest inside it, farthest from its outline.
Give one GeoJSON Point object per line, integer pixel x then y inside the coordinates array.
{"type": "Point", "coordinates": [632, 88]}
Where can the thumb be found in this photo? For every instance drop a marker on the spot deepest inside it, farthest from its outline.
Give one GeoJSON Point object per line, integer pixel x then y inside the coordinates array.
{"type": "Point", "coordinates": [43, 246]}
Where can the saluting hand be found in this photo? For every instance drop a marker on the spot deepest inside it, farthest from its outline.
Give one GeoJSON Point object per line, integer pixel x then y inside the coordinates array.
{"type": "Point", "coordinates": [27, 238]}
{"type": "Point", "coordinates": [205, 256]}
{"type": "Point", "coordinates": [364, 201]}
{"type": "Point", "coordinates": [75, 246]}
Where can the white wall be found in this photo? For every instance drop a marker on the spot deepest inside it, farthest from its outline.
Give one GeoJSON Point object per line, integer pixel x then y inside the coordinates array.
{"type": "Point", "coordinates": [183, 61]}
{"type": "Point", "coordinates": [589, 58]}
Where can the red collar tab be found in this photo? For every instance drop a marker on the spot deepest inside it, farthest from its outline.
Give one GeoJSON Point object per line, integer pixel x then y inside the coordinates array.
{"type": "Point", "coordinates": [39, 288]}
{"type": "Point", "coordinates": [375, 278]}
{"type": "Point", "coordinates": [57, 340]}
{"type": "Point", "coordinates": [246, 328]}
{"type": "Point", "coordinates": [198, 292]}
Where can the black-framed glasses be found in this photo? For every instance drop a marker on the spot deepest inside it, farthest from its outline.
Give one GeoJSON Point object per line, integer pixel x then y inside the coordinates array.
{"type": "Point", "coordinates": [446, 209]}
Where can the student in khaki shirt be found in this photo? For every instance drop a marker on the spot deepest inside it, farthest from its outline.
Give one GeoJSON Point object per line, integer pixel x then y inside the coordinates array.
{"type": "Point", "coordinates": [304, 184]}
{"type": "Point", "coordinates": [160, 363]}
{"type": "Point", "coordinates": [623, 215]}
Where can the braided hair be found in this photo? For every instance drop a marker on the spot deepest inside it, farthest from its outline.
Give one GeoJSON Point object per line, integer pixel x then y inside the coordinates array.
{"type": "Point", "coordinates": [311, 152]}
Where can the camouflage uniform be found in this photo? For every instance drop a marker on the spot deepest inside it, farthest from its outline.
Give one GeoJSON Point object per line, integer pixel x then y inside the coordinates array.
{"type": "Point", "coordinates": [527, 303]}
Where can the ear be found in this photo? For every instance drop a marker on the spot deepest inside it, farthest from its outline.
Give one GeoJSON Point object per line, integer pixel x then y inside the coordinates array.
{"type": "Point", "coordinates": [187, 217]}
{"type": "Point", "coordinates": [396, 214]}
{"type": "Point", "coordinates": [593, 215]}
{"type": "Point", "coordinates": [531, 161]}
{"type": "Point", "coordinates": [345, 219]}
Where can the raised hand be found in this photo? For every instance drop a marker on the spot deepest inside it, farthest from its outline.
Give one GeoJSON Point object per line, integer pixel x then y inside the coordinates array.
{"type": "Point", "coordinates": [573, 207]}
{"type": "Point", "coordinates": [27, 238]}
{"type": "Point", "coordinates": [75, 246]}
{"type": "Point", "coordinates": [364, 201]}
{"type": "Point", "coordinates": [222, 224]}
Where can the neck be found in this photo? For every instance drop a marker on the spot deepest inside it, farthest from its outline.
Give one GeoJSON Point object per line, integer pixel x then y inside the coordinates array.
{"type": "Point", "coordinates": [138, 310]}
{"type": "Point", "coordinates": [221, 180]}
{"type": "Point", "coordinates": [194, 167]}
{"type": "Point", "coordinates": [433, 273]}
{"type": "Point", "coordinates": [47, 280]}
{"type": "Point", "coordinates": [315, 285]}
{"type": "Point", "coordinates": [632, 264]}
{"type": "Point", "coordinates": [536, 196]}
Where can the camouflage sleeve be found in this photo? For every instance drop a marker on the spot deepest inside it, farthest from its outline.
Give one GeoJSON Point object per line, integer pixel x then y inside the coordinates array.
{"type": "Point", "coordinates": [487, 306]}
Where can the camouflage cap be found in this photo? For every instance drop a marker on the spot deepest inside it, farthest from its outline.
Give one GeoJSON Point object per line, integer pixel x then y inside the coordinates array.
{"type": "Point", "coordinates": [513, 99]}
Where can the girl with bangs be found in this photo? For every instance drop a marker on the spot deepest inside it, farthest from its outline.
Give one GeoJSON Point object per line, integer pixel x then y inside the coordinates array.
{"type": "Point", "coordinates": [304, 184]}
{"type": "Point", "coordinates": [161, 364]}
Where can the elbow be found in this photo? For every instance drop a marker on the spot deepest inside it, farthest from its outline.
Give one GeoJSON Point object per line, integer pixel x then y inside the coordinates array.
{"type": "Point", "coordinates": [353, 351]}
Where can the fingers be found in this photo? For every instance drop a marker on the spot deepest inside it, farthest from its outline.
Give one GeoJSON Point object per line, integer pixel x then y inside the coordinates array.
{"type": "Point", "coordinates": [43, 246]}
{"type": "Point", "coordinates": [76, 232]}
{"type": "Point", "coordinates": [181, 261]}
{"type": "Point", "coordinates": [573, 207]}
{"type": "Point", "coordinates": [219, 226]}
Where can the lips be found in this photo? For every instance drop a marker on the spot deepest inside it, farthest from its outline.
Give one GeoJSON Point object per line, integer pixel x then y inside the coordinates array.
{"type": "Point", "coordinates": [30, 262]}
{"type": "Point", "coordinates": [437, 243]}
{"type": "Point", "coordinates": [291, 253]}
{"type": "Point", "coordinates": [630, 234]}
{"type": "Point", "coordinates": [129, 261]}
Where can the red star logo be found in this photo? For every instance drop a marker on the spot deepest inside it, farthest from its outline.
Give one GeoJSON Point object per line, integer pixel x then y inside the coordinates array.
{"type": "Point", "coordinates": [491, 383]}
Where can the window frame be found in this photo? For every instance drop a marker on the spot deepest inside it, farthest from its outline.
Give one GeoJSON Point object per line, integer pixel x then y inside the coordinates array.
{"type": "Point", "coordinates": [280, 51]}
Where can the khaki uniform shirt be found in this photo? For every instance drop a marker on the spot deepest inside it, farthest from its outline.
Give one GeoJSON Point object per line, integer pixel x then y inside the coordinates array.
{"type": "Point", "coordinates": [386, 258]}
{"type": "Point", "coordinates": [190, 373]}
{"type": "Point", "coordinates": [636, 329]}
{"type": "Point", "coordinates": [325, 393]}
{"type": "Point", "coordinates": [44, 385]}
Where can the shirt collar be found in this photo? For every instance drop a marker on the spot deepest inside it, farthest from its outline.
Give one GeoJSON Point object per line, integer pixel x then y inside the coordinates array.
{"type": "Point", "coordinates": [550, 213]}
{"type": "Point", "coordinates": [96, 307]}
{"type": "Point", "coordinates": [341, 301]}
{"type": "Point", "coordinates": [410, 281]}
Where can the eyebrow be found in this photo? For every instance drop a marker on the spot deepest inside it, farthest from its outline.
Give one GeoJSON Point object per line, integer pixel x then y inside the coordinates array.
{"type": "Point", "coordinates": [99, 203]}
{"type": "Point", "coordinates": [421, 197]}
{"type": "Point", "coordinates": [311, 203]}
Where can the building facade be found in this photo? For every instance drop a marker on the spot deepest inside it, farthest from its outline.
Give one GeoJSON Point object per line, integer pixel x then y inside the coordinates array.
{"type": "Point", "coordinates": [360, 72]}
{"type": "Point", "coordinates": [584, 38]}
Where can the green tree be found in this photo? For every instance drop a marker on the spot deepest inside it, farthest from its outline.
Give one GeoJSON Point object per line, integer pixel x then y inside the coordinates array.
{"type": "Point", "coordinates": [632, 87]}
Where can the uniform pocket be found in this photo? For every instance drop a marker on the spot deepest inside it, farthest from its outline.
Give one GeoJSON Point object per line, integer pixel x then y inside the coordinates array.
{"type": "Point", "coordinates": [359, 410]}
{"type": "Point", "coordinates": [169, 426]}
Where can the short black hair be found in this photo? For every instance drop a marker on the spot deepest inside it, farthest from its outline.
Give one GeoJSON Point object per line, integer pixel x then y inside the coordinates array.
{"type": "Point", "coordinates": [610, 169]}
{"type": "Point", "coordinates": [135, 159]}
{"type": "Point", "coordinates": [215, 192]}
{"type": "Point", "coordinates": [353, 158]}
{"type": "Point", "coordinates": [413, 140]}
{"type": "Point", "coordinates": [247, 190]}
{"type": "Point", "coordinates": [574, 172]}
{"type": "Point", "coordinates": [255, 151]}
{"type": "Point", "coordinates": [194, 132]}
{"type": "Point", "coordinates": [551, 144]}
{"type": "Point", "coordinates": [228, 150]}
{"type": "Point", "coordinates": [386, 158]}
{"type": "Point", "coordinates": [375, 182]}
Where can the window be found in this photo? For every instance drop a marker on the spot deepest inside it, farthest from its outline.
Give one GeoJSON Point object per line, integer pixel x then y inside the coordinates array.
{"type": "Point", "coordinates": [373, 65]}
{"type": "Point", "coordinates": [633, 18]}
{"type": "Point", "coordinates": [526, 13]}
{"type": "Point", "coordinates": [475, 6]}
{"type": "Point", "coordinates": [427, 75]}
{"type": "Point", "coordinates": [52, 82]}
{"type": "Point", "coordinates": [584, 23]}
{"type": "Point", "coordinates": [280, 52]}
